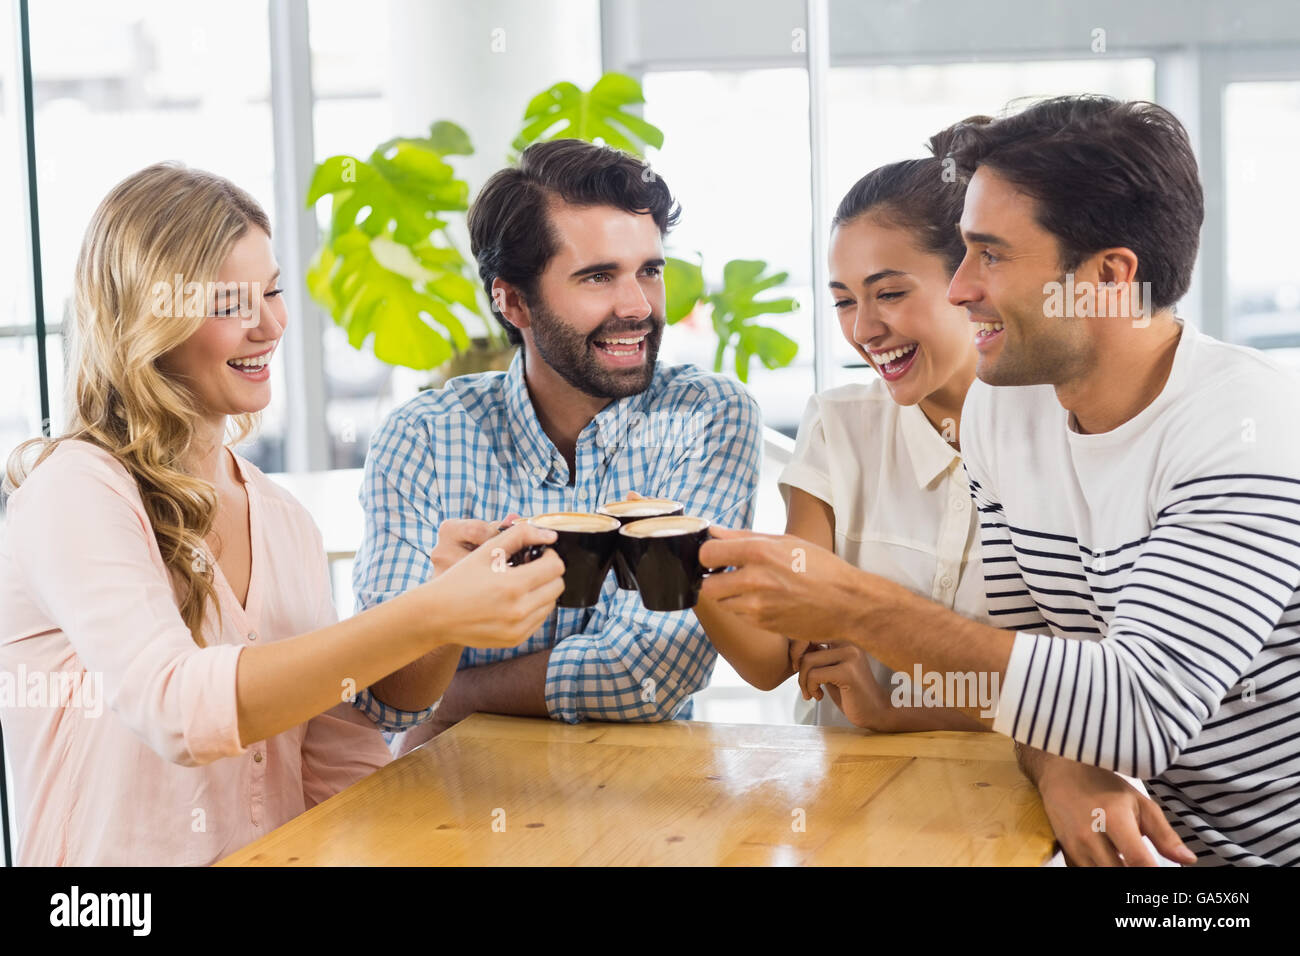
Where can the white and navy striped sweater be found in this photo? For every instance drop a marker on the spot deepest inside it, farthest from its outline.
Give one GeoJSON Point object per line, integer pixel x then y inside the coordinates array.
{"type": "Point", "coordinates": [1153, 575]}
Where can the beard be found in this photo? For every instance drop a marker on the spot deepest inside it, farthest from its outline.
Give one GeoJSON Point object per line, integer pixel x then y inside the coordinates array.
{"type": "Point", "coordinates": [571, 353]}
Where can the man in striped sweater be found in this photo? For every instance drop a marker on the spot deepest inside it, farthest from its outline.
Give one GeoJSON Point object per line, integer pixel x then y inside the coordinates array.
{"type": "Point", "coordinates": [1138, 485]}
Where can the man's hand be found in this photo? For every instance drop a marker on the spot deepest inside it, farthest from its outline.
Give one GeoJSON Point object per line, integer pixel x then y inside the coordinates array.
{"type": "Point", "coordinates": [1100, 820]}
{"type": "Point", "coordinates": [783, 583]}
{"type": "Point", "coordinates": [457, 537]}
{"type": "Point", "coordinates": [843, 671]}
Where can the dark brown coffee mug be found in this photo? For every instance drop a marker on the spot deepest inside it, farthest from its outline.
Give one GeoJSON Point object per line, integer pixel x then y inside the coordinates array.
{"type": "Point", "coordinates": [663, 555]}
{"type": "Point", "coordinates": [636, 509]}
{"type": "Point", "coordinates": [586, 543]}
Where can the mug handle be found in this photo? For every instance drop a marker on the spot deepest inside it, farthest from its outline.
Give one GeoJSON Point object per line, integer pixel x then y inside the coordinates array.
{"type": "Point", "coordinates": [524, 555]}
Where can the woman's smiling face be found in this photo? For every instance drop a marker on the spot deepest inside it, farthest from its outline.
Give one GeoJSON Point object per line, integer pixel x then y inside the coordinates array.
{"type": "Point", "coordinates": [891, 298]}
{"type": "Point", "coordinates": [226, 363]}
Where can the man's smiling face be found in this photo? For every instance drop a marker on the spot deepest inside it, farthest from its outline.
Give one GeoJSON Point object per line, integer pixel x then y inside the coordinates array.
{"type": "Point", "coordinates": [1009, 259]}
{"type": "Point", "coordinates": [598, 314]}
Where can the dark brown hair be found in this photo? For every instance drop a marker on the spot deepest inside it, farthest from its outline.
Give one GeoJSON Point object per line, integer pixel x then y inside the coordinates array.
{"type": "Point", "coordinates": [924, 196]}
{"type": "Point", "coordinates": [510, 232]}
{"type": "Point", "coordinates": [1103, 173]}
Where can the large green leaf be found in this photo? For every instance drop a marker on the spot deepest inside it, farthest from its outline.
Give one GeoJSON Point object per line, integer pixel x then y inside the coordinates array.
{"type": "Point", "coordinates": [388, 272]}
{"type": "Point", "coordinates": [683, 287]}
{"type": "Point", "coordinates": [734, 307]}
{"type": "Point", "coordinates": [564, 111]}
{"type": "Point", "coordinates": [409, 316]}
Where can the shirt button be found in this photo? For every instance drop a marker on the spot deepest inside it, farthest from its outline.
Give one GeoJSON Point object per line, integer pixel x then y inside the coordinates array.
{"type": "Point", "coordinates": [252, 635]}
{"type": "Point", "coordinates": [257, 756]}
{"type": "Point", "coordinates": [946, 581]}
{"type": "Point", "coordinates": [959, 504]}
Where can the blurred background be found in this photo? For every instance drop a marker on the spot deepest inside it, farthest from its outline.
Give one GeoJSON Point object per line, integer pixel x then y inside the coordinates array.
{"type": "Point", "coordinates": [768, 109]}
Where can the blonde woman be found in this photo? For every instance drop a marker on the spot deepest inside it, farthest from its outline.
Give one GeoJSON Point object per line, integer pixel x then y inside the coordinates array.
{"type": "Point", "coordinates": [176, 598]}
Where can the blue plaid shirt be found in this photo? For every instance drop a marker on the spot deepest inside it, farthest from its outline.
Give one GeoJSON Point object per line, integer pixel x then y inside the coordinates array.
{"type": "Point", "coordinates": [475, 449]}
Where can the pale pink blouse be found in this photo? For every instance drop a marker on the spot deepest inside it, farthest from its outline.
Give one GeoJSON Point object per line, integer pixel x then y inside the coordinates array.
{"type": "Point", "coordinates": [121, 731]}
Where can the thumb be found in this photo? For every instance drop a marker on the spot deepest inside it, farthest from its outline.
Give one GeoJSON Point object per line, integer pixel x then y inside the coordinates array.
{"type": "Point", "coordinates": [519, 536]}
{"type": "Point", "coordinates": [633, 496]}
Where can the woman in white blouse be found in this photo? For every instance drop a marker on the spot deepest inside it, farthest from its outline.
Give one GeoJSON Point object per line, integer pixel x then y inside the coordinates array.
{"type": "Point", "coordinates": [877, 474]}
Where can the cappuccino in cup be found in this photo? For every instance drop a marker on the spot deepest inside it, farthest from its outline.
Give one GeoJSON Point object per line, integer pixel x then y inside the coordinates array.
{"type": "Point", "coordinates": [634, 510]}
{"type": "Point", "coordinates": [586, 543]}
{"type": "Point", "coordinates": [663, 555]}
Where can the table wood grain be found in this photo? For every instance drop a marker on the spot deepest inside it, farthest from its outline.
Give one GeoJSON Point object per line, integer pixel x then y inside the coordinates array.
{"type": "Point", "coordinates": [518, 791]}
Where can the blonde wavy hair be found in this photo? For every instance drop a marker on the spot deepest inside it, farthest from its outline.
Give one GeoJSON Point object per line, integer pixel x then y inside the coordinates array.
{"type": "Point", "coordinates": [165, 221]}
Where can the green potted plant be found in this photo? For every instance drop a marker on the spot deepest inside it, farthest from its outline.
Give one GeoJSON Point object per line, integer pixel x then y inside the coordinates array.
{"type": "Point", "coordinates": [390, 272]}
{"type": "Point", "coordinates": [732, 308]}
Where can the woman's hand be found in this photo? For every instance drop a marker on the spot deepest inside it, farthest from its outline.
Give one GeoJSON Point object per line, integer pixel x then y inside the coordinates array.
{"type": "Point", "coordinates": [843, 671]}
{"type": "Point", "coordinates": [481, 601]}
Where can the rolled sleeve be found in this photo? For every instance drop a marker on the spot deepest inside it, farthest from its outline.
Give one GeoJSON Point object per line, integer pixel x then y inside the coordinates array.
{"type": "Point", "coordinates": [638, 666]}
{"type": "Point", "coordinates": [389, 718]}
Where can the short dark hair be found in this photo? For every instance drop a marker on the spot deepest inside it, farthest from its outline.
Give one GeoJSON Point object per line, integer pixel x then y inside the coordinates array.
{"type": "Point", "coordinates": [1103, 173]}
{"type": "Point", "coordinates": [917, 194]}
{"type": "Point", "coordinates": [511, 235]}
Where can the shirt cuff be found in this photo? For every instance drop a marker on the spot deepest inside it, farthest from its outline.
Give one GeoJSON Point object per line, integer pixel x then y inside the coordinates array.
{"type": "Point", "coordinates": [389, 718]}
{"type": "Point", "coordinates": [214, 693]}
{"type": "Point", "coordinates": [1013, 682]}
{"type": "Point", "coordinates": [563, 672]}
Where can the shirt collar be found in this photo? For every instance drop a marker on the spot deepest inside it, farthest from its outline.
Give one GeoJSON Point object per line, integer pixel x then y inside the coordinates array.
{"type": "Point", "coordinates": [930, 453]}
{"type": "Point", "coordinates": [534, 449]}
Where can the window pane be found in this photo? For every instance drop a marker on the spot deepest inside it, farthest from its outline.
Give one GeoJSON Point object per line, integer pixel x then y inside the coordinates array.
{"type": "Point", "coordinates": [736, 156]}
{"type": "Point", "coordinates": [353, 113]}
{"type": "Point", "coordinates": [882, 114]}
{"type": "Point", "coordinates": [20, 405]}
{"type": "Point", "coordinates": [1261, 140]}
{"type": "Point", "coordinates": [120, 86]}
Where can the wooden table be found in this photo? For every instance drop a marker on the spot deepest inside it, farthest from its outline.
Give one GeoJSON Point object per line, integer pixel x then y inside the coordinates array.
{"type": "Point", "coordinates": [505, 790]}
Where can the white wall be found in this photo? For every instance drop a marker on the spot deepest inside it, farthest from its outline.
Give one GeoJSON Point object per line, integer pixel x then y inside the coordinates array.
{"type": "Point", "coordinates": [479, 63]}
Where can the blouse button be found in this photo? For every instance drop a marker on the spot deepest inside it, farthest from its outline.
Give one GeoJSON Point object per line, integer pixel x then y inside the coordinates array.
{"type": "Point", "coordinates": [257, 756]}
{"type": "Point", "coordinates": [252, 635]}
{"type": "Point", "coordinates": [946, 581]}
{"type": "Point", "coordinates": [959, 504]}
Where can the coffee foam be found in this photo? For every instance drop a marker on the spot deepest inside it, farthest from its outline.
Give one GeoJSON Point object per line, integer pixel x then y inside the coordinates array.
{"type": "Point", "coordinates": [667, 527]}
{"type": "Point", "coordinates": [640, 507]}
{"type": "Point", "coordinates": [575, 521]}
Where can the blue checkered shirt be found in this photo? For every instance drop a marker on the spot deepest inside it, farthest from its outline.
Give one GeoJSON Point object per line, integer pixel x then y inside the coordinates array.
{"type": "Point", "coordinates": [475, 449]}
